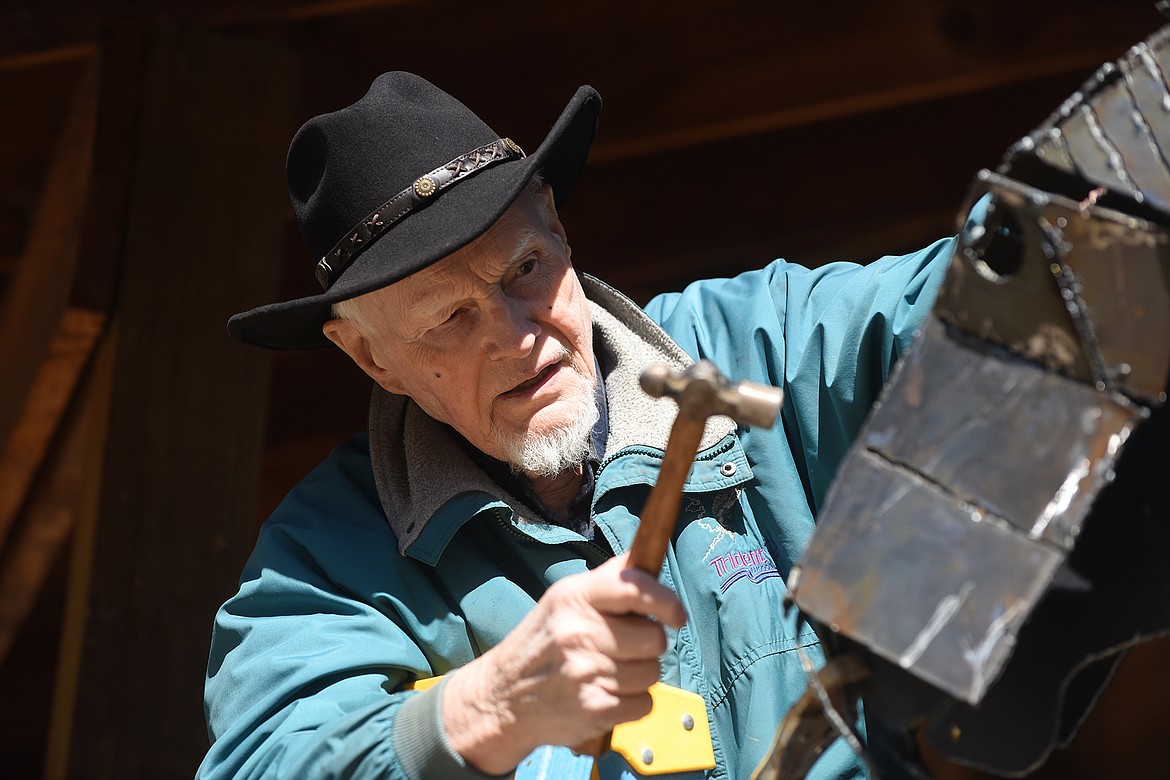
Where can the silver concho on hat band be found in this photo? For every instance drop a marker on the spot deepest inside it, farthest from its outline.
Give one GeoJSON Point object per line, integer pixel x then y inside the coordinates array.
{"type": "Point", "coordinates": [424, 189]}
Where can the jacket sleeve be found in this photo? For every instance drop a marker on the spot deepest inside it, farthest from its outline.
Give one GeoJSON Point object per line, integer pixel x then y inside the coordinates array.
{"type": "Point", "coordinates": [309, 659]}
{"type": "Point", "coordinates": [828, 336]}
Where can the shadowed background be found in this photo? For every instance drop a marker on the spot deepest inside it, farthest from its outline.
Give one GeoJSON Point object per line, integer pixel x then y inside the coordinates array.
{"type": "Point", "coordinates": [142, 202]}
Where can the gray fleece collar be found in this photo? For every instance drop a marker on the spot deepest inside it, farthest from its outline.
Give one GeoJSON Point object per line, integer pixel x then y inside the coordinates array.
{"type": "Point", "coordinates": [419, 466]}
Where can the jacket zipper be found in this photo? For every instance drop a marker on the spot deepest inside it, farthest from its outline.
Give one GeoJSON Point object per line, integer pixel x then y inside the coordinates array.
{"type": "Point", "coordinates": [648, 451]}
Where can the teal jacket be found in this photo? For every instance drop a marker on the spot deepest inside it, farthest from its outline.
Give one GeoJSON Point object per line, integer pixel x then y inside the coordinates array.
{"type": "Point", "coordinates": [399, 559]}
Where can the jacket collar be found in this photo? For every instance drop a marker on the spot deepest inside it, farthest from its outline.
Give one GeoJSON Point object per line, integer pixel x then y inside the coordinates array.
{"type": "Point", "coordinates": [426, 480]}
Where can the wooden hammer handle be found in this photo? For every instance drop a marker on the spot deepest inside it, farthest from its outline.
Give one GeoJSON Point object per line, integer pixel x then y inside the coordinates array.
{"type": "Point", "coordinates": [660, 514]}
{"type": "Point", "coordinates": [756, 404]}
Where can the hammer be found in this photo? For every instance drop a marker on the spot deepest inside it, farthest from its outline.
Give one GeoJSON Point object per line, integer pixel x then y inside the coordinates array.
{"type": "Point", "coordinates": [701, 392]}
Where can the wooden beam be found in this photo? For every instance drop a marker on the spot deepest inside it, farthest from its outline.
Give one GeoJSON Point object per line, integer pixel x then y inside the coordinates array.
{"type": "Point", "coordinates": [123, 62]}
{"type": "Point", "coordinates": [848, 105]}
{"type": "Point", "coordinates": [96, 399]}
{"type": "Point", "coordinates": [174, 510]}
{"type": "Point", "coordinates": [718, 70]}
{"type": "Point", "coordinates": [45, 406]}
{"type": "Point", "coordinates": [27, 560]}
{"type": "Point", "coordinates": [37, 294]}
{"type": "Point", "coordinates": [38, 59]}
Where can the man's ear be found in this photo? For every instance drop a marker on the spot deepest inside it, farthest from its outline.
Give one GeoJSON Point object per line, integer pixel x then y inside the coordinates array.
{"type": "Point", "coordinates": [350, 340]}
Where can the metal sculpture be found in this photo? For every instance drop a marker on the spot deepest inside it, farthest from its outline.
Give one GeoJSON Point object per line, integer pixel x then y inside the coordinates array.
{"type": "Point", "coordinates": [1000, 531]}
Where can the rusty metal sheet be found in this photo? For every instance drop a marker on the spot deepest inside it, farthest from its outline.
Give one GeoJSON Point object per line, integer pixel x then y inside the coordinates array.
{"type": "Point", "coordinates": [1113, 592]}
{"type": "Point", "coordinates": [1117, 273]}
{"type": "Point", "coordinates": [1130, 135]}
{"type": "Point", "coordinates": [1094, 153]}
{"type": "Point", "coordinates": [998, 532]}
{"type": "Point", "coordinates": [1081, 289]}
{"type": "Point", "coordinates": [994, 437]}
{"type": "Point", "coordinates": [1146, 82]}
{"type": "Point", "coordinates": [973, 479]}
{"type": "Point", "coordinates": [1003, 436]}
{"type": "Point", "coordinates": [1112, 133]}
{"type": "Point", "coordinates": [1050, 147]}
{"type": "Point", "coordinates": [1000, 286]}
{"type": "Point", "coordinates": [866, 580]}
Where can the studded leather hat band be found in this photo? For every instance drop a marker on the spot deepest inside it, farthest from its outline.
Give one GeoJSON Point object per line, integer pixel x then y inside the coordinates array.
{"type": "Point", "coordinates": [424, 189]}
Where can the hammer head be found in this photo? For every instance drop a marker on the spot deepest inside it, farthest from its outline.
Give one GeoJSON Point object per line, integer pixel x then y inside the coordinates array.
{"type": "Point", "coordinates": [702, 391]}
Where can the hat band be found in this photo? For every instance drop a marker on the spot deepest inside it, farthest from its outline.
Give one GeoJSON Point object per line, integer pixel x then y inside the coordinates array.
{"type": "Point", "coordinates": [424, 190]}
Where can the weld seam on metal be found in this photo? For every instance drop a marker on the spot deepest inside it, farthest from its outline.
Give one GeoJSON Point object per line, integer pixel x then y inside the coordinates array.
{"type": "Point", "coordinates": [977, 513]}
{"type": "Point", "coordinates": [1113, 157]}
{"type": "Point", "coordinates": [1139, 117]}
{"type": "Point", "coordinates": [944, 611]}
{"type": "Point", "coordinates": [979, 657]}
{"type": "Point", "coordinates": [835, 720]}
{"type": "Point", "coordinates": [1001, 352]}
{"type": "Point", "coordinates": [1146, 53]}
{"type": "Point", "coordinates": [1078, 311]}
{"type": "Point", "coordinates": [1062, 140]}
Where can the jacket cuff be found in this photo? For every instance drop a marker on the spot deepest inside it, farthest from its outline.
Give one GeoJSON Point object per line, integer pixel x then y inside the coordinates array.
{"type": "Point", "coordinates": [420, 741]}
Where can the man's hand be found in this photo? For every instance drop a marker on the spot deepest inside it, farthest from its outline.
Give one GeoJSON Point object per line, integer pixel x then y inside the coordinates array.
{"type": "Point", "coordinates": [576, 666]}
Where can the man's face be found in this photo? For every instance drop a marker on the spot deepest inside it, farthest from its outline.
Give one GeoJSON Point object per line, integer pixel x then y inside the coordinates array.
{"type": "Point", "coordinates": [494, 339]}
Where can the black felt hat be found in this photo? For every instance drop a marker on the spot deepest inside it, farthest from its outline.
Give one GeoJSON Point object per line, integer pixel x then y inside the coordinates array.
{"type": "Point", "coordinates": [397, 181]}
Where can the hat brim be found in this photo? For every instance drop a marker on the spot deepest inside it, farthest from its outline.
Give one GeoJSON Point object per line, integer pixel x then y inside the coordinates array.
{"type": "Point", "coordinates": [455, 219]}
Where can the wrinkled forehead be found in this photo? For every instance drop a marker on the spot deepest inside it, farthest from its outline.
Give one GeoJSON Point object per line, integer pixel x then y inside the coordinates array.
{"type": "Point", "coordinates": [518, 233]}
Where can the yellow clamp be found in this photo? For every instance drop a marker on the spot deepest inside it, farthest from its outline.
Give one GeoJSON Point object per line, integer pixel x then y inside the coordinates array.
{"type": "Point", "coordinates": [423, 684]}
{"type": "Point", "coordinates": [674, 737]}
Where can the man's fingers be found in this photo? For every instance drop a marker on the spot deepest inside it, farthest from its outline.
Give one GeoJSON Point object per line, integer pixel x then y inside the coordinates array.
{"type": "Point", "coordinates": [625, 709]}
{"type": "Point", "coordinates": [635, 677]}
{"type": "Point", "coordinates": [619, 590]}
{"type": "Point", "coordinates": [631, 638]}
{"type": "Point", "coordinates": [633, 707]}
{"type": "Point", "coordinates": [584, 659]}
{"type": "Point", "coordinates": [605, 710]}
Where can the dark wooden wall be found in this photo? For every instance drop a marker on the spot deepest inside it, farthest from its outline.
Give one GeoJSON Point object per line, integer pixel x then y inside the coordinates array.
{"type": "Point", "coordinates": [732, 133]}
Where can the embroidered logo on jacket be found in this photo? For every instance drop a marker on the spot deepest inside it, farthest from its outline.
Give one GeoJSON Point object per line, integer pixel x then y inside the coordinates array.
{"type": "Point", "coordinates": [755, 566]}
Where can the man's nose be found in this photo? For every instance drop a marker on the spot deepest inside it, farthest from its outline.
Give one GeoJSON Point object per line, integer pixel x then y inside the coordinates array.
{"type": "Point", "coordinates": [511, 328]}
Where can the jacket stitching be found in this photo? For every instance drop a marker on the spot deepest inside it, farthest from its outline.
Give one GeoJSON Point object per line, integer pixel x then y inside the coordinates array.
{"type": "Point", "coordinates": [757, 654]}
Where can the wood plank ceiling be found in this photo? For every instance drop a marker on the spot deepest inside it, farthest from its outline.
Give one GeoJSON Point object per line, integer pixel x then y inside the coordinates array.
{"type": "Point", "coordinates": [732, 133]}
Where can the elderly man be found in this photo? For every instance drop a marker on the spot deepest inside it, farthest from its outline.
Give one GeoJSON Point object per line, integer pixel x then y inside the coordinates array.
{"type": "Point", "coordinates": [478, 531]}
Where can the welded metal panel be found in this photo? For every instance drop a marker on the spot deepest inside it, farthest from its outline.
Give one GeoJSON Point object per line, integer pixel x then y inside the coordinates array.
{"type": "Point", "coordinates": [1118, 270]}
{"type": "Point", "coordinates": [965, 493]}
{"type": "Point", "coordinates": [994, 504]}
{"type": "Point", "coordinates": [1112, 133]}
{"type": "Point", "coordinates": [1003, 436]}
{"type": "Point", "coordinates": [1051, 147]}
{"type": "Point", "coordinates": [974, 476]}
{"type": "Point", "coordinates": [1093, 152]}
{"type": "Point", "coordinates": [1130, 135]}
{"type": "Point", "coordinates": [1147, 85]}
{"type": "Point", "coordinates": [1013, 301]}
{"type": "Point", "coordinates": [919, 580]}
{"type": "Point", "coordinates": [1082, 289]}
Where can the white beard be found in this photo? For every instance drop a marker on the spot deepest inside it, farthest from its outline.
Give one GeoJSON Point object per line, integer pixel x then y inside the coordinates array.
{"type": "Point", "coordinates": [567, 446]}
